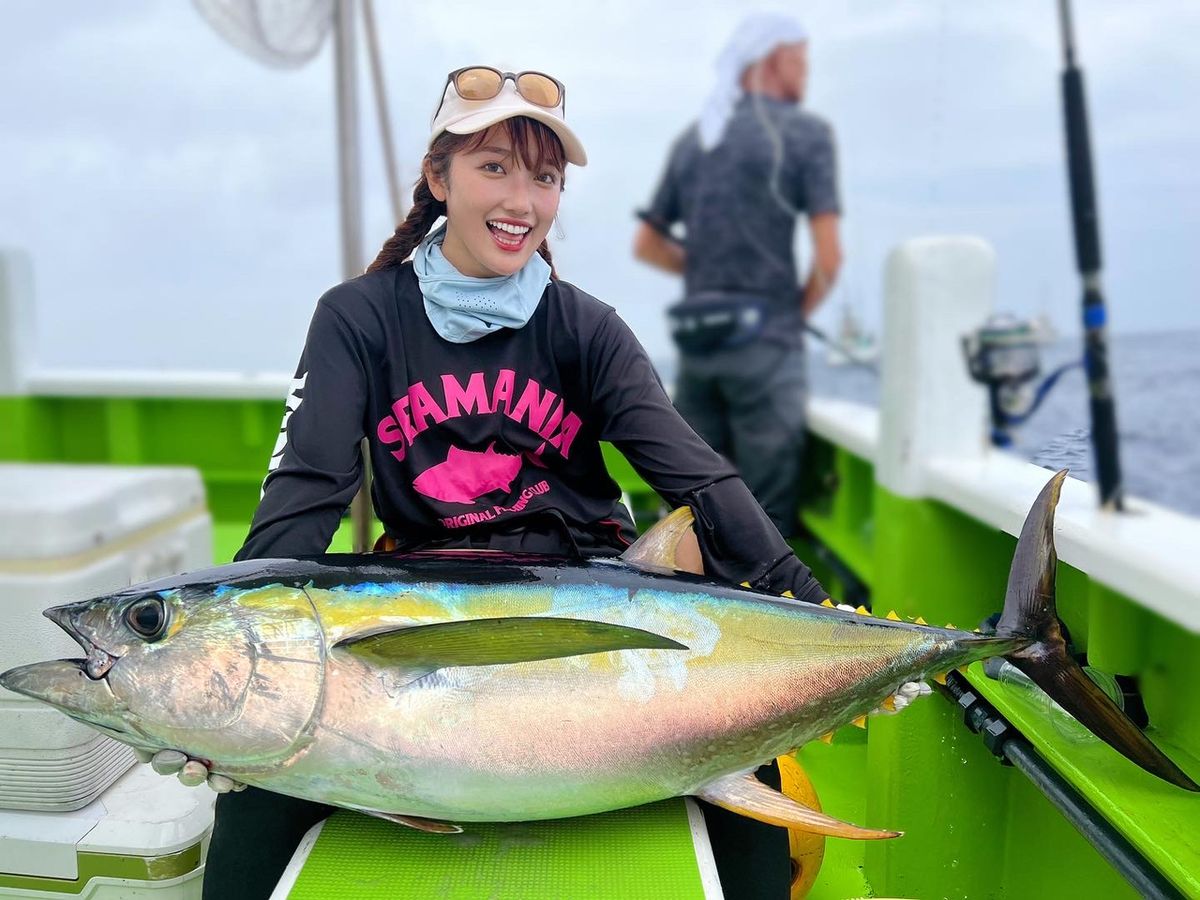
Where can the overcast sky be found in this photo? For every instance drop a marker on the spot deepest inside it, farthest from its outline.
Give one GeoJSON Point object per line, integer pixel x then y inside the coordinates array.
{"type": "Point", "coordinates": [178, 198]}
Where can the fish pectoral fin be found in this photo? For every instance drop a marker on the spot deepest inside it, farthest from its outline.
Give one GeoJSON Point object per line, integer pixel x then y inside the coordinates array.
{"type": "Point", "coordinates": [433, 826]}
{"type": "Point", "coordinates": [499, 641]}
{"type": "Point", "coordinates": [747, 796]}
{"type": "Point", "coordinates": [670, 544]}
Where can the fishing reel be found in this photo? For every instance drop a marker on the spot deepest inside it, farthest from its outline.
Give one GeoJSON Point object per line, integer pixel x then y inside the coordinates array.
{"type": "Point", "coordinates": [1003, 356]}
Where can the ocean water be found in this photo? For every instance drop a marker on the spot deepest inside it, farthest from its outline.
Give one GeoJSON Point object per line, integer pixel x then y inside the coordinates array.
{"type": "Point", "coordinates": [1156, 382]}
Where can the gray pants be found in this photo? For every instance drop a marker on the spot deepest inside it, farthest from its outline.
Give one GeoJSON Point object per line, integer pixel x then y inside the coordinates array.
{"type": "Point", "coordinates": [748, 405]}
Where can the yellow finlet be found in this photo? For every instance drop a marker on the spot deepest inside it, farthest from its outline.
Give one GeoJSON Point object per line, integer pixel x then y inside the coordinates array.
{"type": "Point", "coordinates": [892, 616]}
{"type": "Point", "coordinates": [940, 678]}
{"type": "Point", "coordinates": [860, 722]}
{"type": "Point", "coordinates": [745, 584]}
{"type": "Point", "coordinates": [827, 602]}
{"type": "Point", "coordinates": [920, 621]}
{"type": "Point", "coordinates": [889, 704]}
{"type": "Point", "coordinates": [826, 738]}
{"type": "Point", "coordinates": [951, 625]}
{"type": "Point", "coordinates": [788, 594]}
{"type": "Point", "coordinates": [863, 611]}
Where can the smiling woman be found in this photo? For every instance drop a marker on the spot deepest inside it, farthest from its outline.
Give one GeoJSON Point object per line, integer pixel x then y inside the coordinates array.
{"type": "Point", "coordinates": [498, 199]}
{"type": "Point", "coordinates": [484, 386]}
{"type": "Point", "coordinates": [509, 180]}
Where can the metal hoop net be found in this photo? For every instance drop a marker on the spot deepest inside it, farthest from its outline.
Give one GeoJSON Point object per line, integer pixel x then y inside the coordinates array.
{"type": "Point", "coordinates": [281, 33]}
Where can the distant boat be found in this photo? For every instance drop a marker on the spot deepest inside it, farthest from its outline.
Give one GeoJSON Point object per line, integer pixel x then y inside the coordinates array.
{"type": "Point", "coordinates": [1043, 329]}
{"type": "Point", "coordinates": [853, 343]}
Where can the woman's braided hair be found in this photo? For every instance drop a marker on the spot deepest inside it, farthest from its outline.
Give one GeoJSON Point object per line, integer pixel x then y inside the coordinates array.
{"type": "Point", "coordinates": [534, 142]}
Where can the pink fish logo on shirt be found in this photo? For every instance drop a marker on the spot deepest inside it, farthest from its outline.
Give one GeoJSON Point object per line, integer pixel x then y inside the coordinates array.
{"type": "Point", "coordinates": [467, 475]}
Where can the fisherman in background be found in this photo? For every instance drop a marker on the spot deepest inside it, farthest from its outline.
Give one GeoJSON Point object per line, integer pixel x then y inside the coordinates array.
{"type": "Point", "coordinates": [738, 180]}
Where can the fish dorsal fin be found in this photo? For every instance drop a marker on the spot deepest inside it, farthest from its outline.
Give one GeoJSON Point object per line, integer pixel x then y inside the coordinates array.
{"type": "Point", "coordinates": [670, 544]}
{"type": "Point", "coordinates": [499, 641]}
{"type": "Point", "coordinates": [433, 826]}
{"type": "Point", "coordinates": [747, 796]}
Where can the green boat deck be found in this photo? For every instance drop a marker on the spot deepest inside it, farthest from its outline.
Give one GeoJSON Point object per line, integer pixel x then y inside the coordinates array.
{"type": "Point", "coordinates": [615, 854]}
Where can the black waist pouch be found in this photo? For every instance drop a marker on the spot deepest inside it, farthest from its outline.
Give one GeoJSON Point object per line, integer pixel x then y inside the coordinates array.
{"type": "Point", "coordinates": [704, 323]}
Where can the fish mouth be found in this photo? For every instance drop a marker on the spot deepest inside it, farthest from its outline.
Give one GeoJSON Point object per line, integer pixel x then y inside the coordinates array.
{"type": "Point", "coordinates": [66, 685]}
{"type": "Point", "coordinates": [98, 660]}
{"type": "Point", "coordinates": [31, 680]}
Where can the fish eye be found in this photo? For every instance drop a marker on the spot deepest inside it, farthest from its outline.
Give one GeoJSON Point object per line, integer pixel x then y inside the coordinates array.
{"type": "Point", "coordinates": [147, 617]}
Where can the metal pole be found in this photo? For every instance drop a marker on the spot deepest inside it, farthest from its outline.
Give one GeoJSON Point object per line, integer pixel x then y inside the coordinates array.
{"type": "Point", "coordinates": [1086, 221]}
{"type": "Point", "coordinates": [381, 111]}
{"type": "Point", "coordinates": [350, 206]}
{"type": "Point", "coordinates": [349, 176]}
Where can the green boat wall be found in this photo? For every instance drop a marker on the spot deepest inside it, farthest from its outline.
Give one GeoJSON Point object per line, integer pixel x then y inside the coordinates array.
{"type": "Point", "coordinates": [906, 502]}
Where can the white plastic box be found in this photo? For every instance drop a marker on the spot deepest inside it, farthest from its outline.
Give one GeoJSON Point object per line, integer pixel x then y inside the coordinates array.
{"type": "Point", "coordinates": [143, 839]}
{"type": "Point", "coordinates": [67, 533]}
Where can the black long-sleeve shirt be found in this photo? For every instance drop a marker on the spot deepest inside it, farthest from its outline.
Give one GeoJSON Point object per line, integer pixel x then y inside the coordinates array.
{"type": "Point", "coordinates": [497, 439]}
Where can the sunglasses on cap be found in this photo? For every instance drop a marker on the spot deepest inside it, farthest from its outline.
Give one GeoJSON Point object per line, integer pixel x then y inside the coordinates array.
{"type": "Point", "coordinates": [485, 83]}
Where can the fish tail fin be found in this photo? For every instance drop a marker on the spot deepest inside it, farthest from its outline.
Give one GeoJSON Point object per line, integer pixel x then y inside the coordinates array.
{"type": "Point", "coordinates": [1030, 613]}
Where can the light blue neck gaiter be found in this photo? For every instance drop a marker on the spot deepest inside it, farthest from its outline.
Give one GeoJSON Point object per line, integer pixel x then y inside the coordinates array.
{"type": "Point", "coordinates": [461, 308]}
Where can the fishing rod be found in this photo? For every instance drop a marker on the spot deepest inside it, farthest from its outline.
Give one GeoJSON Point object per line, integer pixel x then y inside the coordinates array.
{"type": "Point", "coordinates": [1086, 225]}
{"type": "Point", "coordinates": [841, 348]}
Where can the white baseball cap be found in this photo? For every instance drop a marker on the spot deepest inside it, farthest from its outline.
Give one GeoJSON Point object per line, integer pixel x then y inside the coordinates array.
{"type": "Point", "coordinates": [460, 116]}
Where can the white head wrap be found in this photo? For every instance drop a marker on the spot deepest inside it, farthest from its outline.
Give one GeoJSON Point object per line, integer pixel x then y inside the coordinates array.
{"type": "Point", "coordinates": [754, 39]}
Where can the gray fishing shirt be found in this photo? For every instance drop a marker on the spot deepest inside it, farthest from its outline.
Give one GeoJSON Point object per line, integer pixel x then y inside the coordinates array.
{"type": "Point", "coordinates": [739, 202]}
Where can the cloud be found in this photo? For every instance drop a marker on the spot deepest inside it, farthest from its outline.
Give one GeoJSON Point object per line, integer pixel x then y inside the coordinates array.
{"type": "Point", "coordinates": [179, 199]}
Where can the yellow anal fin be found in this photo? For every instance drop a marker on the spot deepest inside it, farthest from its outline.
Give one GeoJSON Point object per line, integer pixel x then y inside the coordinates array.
{"type": "Point", "coordinates": [433, 826]}
{"type": "Point", "coordinates": [747, 796]}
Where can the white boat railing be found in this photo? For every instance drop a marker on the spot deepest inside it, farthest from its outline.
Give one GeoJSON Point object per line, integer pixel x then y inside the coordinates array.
{"type": "Point", "coordinates": [21, 375]}
{"type": "Point", "coordinates": [929, 438]}
{"type": "Point", "coordinates": [1148, 553]}
{"type": "Point", "coordinates": [150, 383]}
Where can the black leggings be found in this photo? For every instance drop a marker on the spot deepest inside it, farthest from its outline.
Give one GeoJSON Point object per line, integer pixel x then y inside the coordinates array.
{"type": "Point", "coordinates": [752, 857]}
{"type": "Point", "coordinates": [254, 836]}
{"type": "Point", "coordinates": [256, 832]}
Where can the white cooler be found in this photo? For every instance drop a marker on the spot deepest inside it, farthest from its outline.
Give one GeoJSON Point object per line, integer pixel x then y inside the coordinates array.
{"type": "Point", "coordinates": [67, 533]}
{"type": "Point", "coordinates": [145, 837]}
{"type": "Point", "coordinates": [77, 817]}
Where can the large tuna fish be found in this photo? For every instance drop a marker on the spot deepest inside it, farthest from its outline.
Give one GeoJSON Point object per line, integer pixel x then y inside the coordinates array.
{"type": "Point", "coordinates": [451, 687]}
